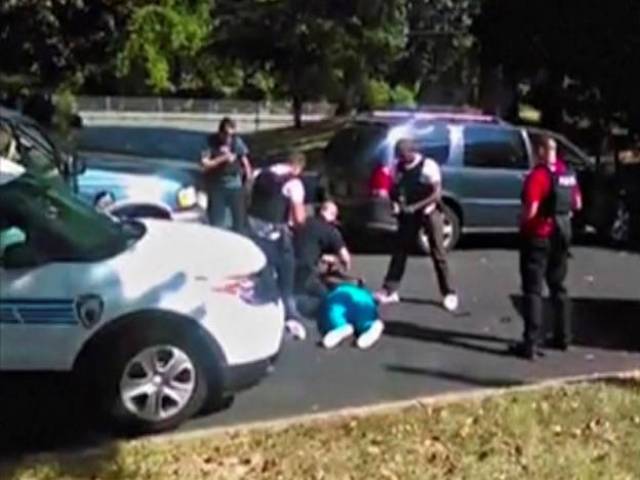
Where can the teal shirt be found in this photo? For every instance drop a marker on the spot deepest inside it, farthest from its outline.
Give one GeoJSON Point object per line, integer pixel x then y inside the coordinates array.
{"type": "Point", "coordinates": [228, 176]}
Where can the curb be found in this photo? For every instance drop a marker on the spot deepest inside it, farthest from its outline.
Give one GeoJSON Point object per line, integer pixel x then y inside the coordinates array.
{"type": "Point", "coordinates": [384, 408]}
{"type": "Point", "coordinates": [339, 414]}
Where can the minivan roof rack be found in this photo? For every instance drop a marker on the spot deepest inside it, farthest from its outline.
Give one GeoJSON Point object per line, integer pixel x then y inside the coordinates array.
{"type": "Point", "coordinates": [436, 113]}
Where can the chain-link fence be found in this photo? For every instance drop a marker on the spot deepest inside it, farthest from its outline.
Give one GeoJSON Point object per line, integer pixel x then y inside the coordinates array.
{"type": "Point", "coordinates": [194, 113]}
{"type": "Point", "coordinates": [194, 105]}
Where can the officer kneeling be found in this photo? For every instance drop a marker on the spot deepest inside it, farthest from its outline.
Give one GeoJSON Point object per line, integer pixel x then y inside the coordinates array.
{"type": "Point", "coordinates": [550, 195]}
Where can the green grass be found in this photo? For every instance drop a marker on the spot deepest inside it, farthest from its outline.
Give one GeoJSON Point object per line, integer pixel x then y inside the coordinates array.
{"type": "Point", "coordinates": [587, 431]}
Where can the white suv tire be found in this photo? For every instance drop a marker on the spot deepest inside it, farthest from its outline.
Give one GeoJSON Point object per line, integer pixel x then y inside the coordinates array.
{"type": "Point", "coordinates": [152, 378]}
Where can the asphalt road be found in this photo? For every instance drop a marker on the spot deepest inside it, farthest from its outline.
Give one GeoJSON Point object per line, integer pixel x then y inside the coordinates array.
{"type": "Point", "coordinates": [425, 350]}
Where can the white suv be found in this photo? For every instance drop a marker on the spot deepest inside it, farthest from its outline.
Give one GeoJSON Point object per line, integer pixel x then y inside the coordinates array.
{"type": "Point", "coordinates": [159, 320]}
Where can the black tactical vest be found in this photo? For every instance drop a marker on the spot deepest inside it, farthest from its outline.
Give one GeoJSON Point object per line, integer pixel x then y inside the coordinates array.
{"type": "Point", "coordinates": [410, 186]}
{"type": "Point", "coordinates": [560, 200]}
{"type": "Point", "coordinates": [268, 203]}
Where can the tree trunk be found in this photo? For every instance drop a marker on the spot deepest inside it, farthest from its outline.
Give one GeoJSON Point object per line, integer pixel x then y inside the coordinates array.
{"type": "Point", "coordinates": [297, 111]}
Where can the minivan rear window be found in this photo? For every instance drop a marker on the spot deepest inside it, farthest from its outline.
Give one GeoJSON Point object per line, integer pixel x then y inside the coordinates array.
{"type": "Point", "coordinates": [358, 143]}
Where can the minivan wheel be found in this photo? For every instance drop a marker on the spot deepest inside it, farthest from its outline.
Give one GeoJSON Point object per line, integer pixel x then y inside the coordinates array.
{"type": "Point", "coordinates": [620, 227]}
{"type": "Point", "coordinates": [450, 231]}
{"type": "Point", "coordinates": [154, 382]}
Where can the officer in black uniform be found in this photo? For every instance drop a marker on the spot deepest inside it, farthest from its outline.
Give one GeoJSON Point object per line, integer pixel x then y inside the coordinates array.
{"type": "Point", "coordinates": [550, 195]}
{"type": "Point", "coordinates": [277, 208]}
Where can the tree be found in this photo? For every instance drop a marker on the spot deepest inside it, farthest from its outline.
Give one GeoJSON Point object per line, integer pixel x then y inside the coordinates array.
{"type": "Point", "coordinates": [313, 50]}
{"type": "Point", "coordinates": [163, 41]}
{"type": "Point", "coordinates": [47, 43]}
{"type": "Point", "coordinates": [578, 58]}
{"type": "Point", "coordinates": [439, 47]}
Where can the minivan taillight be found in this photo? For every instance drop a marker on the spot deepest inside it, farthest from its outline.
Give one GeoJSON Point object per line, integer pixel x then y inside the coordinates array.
{"type": "Point", "coordinates": [381, 182]}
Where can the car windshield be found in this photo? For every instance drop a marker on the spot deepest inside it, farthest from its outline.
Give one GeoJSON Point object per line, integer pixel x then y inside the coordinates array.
{"type": "Point", "coordinates": [58, 225]}
{"type": "Point", "coordinates": [36, 152]}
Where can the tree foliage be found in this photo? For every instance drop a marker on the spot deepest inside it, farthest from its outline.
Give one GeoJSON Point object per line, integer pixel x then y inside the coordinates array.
{"type": "Point", "coordinates": [320, 49]}
{"type": "Point", "coordinates": [577, 58]}
{"type": "Point", "coordinates": [569, 58]}
{"type": "Point", "coordinates": [44, 43]}
{"type": "Point", "coordinates": [163, 40]}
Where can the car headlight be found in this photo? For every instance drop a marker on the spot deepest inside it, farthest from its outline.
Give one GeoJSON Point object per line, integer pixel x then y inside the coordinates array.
{"type": "Point", "coordinates": [187, 197]}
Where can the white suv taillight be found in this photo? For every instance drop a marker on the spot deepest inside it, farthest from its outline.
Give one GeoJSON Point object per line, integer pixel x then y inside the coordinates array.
{"type": "Point", "coordinates": [257, 288]}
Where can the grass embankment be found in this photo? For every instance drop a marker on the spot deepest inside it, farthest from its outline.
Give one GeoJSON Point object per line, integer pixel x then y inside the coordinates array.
{"type": "Point", "coordinates": [589, 431]}
{"type": "Point", "coordinates": [310, 139]}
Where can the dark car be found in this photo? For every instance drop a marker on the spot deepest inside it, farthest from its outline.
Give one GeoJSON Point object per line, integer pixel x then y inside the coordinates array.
{"type": "Point", "coordinates": [483, 160]}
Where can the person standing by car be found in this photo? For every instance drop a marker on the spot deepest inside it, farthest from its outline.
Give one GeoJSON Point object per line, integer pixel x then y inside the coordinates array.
{"type": "Point", "coordinates": [276, 211]}
{"type": "Point", "coordinates": [226, 164]}
{"type": "Point", "coordinates": [416, 195]}
{"type": "Point", "coordinates": [550, 195]}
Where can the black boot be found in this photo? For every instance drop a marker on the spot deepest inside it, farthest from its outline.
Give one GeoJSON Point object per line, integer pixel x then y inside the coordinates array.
{"type": "Point", "coordinates": [561, 339]}
{"type": "Point", "coordinates": [526, 349]}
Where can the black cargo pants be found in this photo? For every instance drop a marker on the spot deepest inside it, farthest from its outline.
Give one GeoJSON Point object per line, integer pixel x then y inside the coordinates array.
{"type": "Point", "coordinates": [408, 228]}
{"type": "Point", "coordinates": [545, 259]}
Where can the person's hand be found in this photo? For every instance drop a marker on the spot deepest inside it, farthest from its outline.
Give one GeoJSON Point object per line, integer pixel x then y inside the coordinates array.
{"type": "Point", "coordinates": [407, 209]}
{"type": "Point", "coordinates": [395, 208]}
{"type": "Point", "coordinates": [205, 155]}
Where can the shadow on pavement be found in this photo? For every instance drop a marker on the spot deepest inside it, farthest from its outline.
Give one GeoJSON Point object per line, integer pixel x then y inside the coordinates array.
{"type": "Point", "coordinates": [44, 413]}
{"type": "Point", "coordinates": [604, 323]}
{"type": "Point", "coordinates": [497, 241]}
{"type": "Point", "coordinates": [455, 377]}
{"type": "Point", "coordinates": [468, 341]}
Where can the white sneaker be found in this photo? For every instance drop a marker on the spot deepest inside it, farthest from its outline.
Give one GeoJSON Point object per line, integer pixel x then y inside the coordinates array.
{"type": "Point", "coordinates": [334, 337]}
{"type": "Point", "coordinates": [384, 297]}
{"type": "Point", "coordinates": [295, 329]}
{"type": "Point", "coordinates": [371, 336]}
{"type": "Point", "coordinates": [450, 302]}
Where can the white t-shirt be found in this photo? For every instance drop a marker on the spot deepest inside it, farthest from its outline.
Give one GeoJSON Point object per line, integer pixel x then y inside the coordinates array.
{"type": "Point", "coordinates": [294, 188]}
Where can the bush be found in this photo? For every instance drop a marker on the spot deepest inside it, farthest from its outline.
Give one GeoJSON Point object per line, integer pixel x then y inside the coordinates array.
{"type": "Point", "coordinates": [403, 96]}
{"type": "Point", "coordinates": [377, 94]}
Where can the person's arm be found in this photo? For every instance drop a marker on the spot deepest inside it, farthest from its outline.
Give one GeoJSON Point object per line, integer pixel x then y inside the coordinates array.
{"type": "Point", "coordinates": [294, 190]}
{"type": "Point", "coordinates": [246, 167]}
{"type": "Point", "coordinates": [432, 176]}
{"type": "Point", "coordinates": [433, 197]}
{"type": "Point", "coordinates": [243, 152]}
{"type": "Point", "coordinates": [211, 163]}
{"type": "Point", "coordinates": [577, 199]}
{"type": "Point", "coordinates": [529, 211]}
{"type": "Point", "coordinates": [536, 188]}
{"type": "Point", "coordinates": [345, 258]}
{"type": "Point", "coordinates": [337, 245]}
